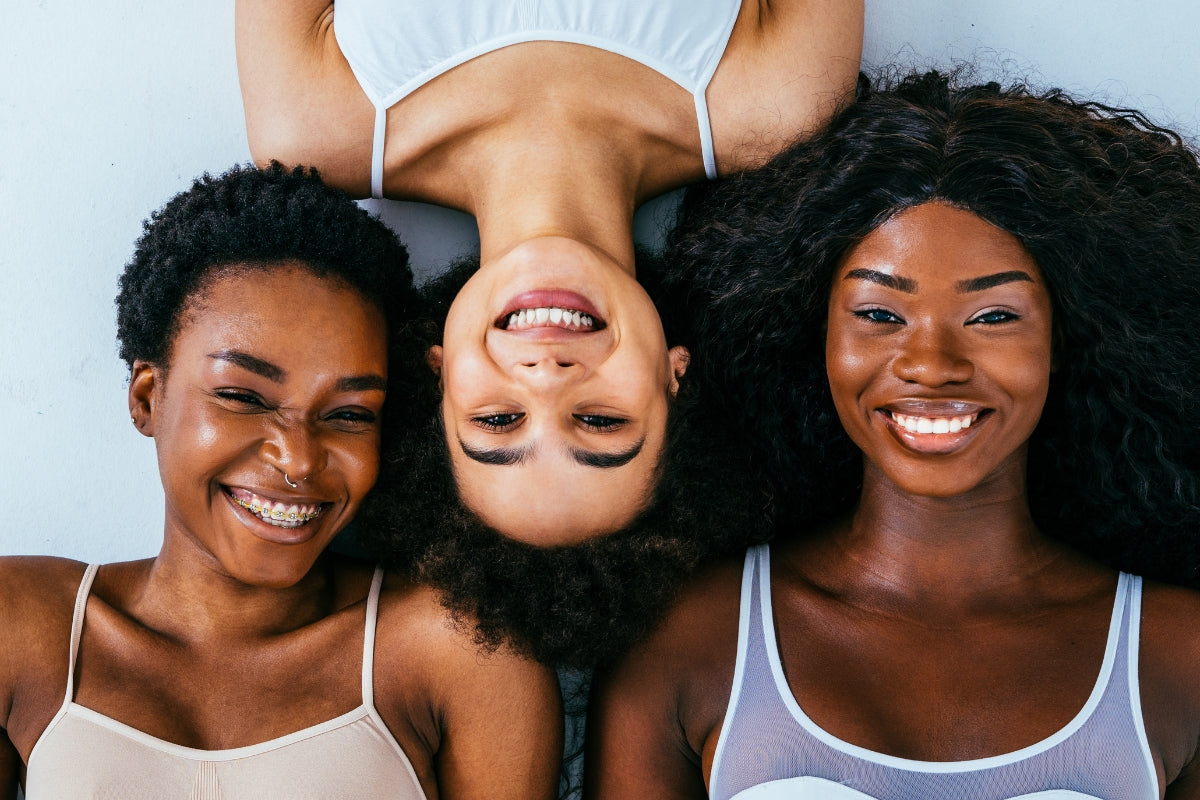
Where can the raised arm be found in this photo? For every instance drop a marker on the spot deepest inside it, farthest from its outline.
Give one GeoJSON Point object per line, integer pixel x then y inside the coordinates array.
{"type": "Point", "coordinates": [302, 103]}
{"type": "Point", "coordinates": [789, 66]}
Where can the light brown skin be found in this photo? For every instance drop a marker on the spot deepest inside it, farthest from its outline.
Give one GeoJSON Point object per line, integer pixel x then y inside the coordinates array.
{"type": "Point", "coordinates": [926, 625]}
{"type": "Point", "coordinates": [530, 156]}
{"type": "Point", "coordinates": [227, 638]}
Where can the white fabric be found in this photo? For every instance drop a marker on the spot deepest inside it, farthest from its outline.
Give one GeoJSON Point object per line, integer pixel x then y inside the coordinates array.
{"type": "Point", "coordinates": [769, 748]}
{"type": "Point", "coordinates": [396, 46]}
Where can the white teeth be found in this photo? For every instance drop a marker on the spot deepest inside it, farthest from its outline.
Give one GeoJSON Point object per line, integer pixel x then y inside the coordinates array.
{"type": "Point", "coordinates": [934, 425]}
{"type": "Point", "coordinates": [549, 315]}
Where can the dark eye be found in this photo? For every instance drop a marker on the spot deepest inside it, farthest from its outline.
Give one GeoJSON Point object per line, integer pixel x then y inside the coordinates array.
{"type": "Point", "coordinates": [498, 422]}
{"type": "Point", "coordinates": [879, 316]}
{"type": "Point", "coordinates": [599, 423]}
{"type": "Point", "coordinates": [993, 318]}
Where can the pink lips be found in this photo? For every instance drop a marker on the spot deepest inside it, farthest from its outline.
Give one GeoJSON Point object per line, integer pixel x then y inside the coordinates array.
{"type": "Point", "coordinates": [938, 440]}
{"type": "Point", "coordinates": [558, 298]}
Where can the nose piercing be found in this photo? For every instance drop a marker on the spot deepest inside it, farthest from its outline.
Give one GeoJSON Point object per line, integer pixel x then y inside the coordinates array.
{"type": "Point", "coordinates": [288, 481]}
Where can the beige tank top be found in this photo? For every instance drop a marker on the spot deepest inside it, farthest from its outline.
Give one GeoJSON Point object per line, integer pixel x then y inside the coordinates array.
{"type": "Point", "coordinates": [83, 754]}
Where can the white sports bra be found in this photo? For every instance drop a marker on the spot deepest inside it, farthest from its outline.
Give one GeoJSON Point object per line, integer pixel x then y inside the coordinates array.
{"type": "Point", "coordinates": [769, 749]}
{"type": "Point", "coordinates": [396, 46]}
{"type": "Point", "coordinates": [84, 754]}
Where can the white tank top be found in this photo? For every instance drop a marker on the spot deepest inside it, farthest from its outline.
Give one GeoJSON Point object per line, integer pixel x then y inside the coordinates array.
{"type": "Point", "coordinates": [396, 46]}
{"type": "Point", "coordinates": [83, 754]}
{"type": "Point", "coordinates": [770, 750]}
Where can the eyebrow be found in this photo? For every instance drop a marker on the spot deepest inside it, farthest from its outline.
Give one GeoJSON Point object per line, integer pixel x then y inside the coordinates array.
{"type": "Point", "coordinates": [507, 456]}
{"type": "Point", "coordinates": [988, 281]}
{"type": "Point", "coordinates": [251, 364]}
{"type": "Point", "coordinates": [352, 383]}
{"type": "Point", "coordinates": [909, 286]}
{"type": "Point", "coordinates": [906, 285]}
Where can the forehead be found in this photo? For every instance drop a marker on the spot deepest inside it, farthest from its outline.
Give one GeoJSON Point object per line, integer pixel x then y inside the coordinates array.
{"type": "Point", "coordinates": [280, 307]}
{"type": "Point", "coordinates": [938, 243]}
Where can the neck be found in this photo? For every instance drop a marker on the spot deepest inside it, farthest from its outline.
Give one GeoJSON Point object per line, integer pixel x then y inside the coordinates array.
{"type": "Point", "coordinates": [946, 550]}
{"type": "Point", "coordinates": [533, 189]}
{"type": "Point", "coordinates": [186, 594]}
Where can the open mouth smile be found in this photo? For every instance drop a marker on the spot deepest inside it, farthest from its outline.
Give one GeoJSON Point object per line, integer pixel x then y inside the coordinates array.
{"type": "Point", "coordinates": [933, 425]}
{"type": "Point", "coordinates": [549, 317]}
{"type": "Point", "coordinates": [275, 512]}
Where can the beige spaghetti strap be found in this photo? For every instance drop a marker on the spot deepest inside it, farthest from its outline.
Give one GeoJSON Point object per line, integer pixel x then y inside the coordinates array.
{"type": "Point", "coordinates": [368, 657]}
{"type": "Point", "coordinates": [81, 598]}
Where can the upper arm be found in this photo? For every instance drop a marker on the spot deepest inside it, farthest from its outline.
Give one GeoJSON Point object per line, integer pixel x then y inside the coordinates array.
{"type": "Point", "coordinates": [791, 64]}
{"type": "Point", "coordinates": [636, 746]}
{"type": "Point", "coordinates": [502, 728]}
{"type": "Point", "coordinates": [654, 717]}
{"type": "Point", "coordinates": [1169, 682]}
{"type": "Point", "coordinates": [301, 100]}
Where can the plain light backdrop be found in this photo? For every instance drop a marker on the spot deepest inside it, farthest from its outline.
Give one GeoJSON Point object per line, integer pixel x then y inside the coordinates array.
{"type": "Point", "coordinates": [108, 109]}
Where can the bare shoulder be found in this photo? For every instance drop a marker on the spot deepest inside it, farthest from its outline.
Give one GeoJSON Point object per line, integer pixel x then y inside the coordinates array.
{"type": "Point", "coordinates": [37, 596]}
{"type": "Point", "coordinates": [35, 591]}
{"type": "Point", "coordinates": [790, 65]}
{"type": "Point", "coordinates": [1169, 650]}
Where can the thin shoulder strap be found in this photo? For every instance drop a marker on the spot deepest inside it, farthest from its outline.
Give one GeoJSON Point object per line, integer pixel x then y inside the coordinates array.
{"type": "Point", "coordinates": [380, 137]}
{"type": "Point", "coordinates": [81, 598]}
{"type": "Point", "coordinates": [368, 657]}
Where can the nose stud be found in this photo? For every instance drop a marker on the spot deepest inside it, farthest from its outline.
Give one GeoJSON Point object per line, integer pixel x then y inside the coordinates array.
{"type": "Point", "coordinates": [288, 481]}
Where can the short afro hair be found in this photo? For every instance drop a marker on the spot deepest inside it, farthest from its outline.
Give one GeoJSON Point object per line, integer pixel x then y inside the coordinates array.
{"type": "Point", "coordinates": [249, 219]}
{"type": "Point", "coordinates": [1108, 205]}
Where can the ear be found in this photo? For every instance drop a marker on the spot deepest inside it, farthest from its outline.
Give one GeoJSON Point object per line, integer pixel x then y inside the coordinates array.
{"type": "Point", "coordinates": [434, 359]}
{"type": "Point", "coordinates": [144, 381]}
{"type": "Point", "coordinates": [680, 358]}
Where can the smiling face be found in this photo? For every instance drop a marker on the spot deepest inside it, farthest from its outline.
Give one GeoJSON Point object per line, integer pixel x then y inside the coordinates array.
{"type": "Point", "coordinates": [938, 349]}
{"type": "Point", "coordinates": [276, 377]}
{"type": "Point", "coordinates": [556, 379]}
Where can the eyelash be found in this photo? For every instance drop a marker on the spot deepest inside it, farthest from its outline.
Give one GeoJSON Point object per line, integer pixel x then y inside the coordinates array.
{"type": "Point", "coordinates": [1004, 316]}
{"type": "Point", "coordinates": [598, 423]}
{"type": "Point", "coordinates": [241, 397]}
{"type": "Point", "coordinates": [498, 422]}
{"type": "Point", "coordinates": [869, 314]}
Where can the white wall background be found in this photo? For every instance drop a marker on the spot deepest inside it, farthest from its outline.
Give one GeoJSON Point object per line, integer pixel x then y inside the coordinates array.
{"type": "Point", "coordinates": [109, 108]}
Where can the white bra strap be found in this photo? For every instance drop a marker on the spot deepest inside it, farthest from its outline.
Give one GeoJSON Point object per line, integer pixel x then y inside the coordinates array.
{"type": "Point", "coordinates": [706, 137]}
{"type": "Point", "coordinates": [377, 151]}
{"type": "Point", "coordinates": [368, 658]}
{"type": "Point", "coordinates": [81, 598]}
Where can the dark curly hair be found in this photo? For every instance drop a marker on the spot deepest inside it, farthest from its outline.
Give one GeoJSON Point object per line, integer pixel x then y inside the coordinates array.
{"type": "Point", "coordinates": [1107, 204]}
{"type": "Point", "coordinates": [251, 219]}
{"type": "Point", "coordinates": [574, 605]}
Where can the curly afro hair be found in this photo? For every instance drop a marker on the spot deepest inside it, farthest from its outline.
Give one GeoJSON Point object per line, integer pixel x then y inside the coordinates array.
{"type": "Point", "coordinates": [1107, 204]}
{"type": "Point", "coordinates": [575, 605]}
{"type": "Point", "coordinates": [251, 219]}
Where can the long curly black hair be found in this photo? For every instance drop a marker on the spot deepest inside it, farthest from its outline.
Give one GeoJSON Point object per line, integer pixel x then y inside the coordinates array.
{"type": "Point", "coordinates": [1107, 203]}
{"type": "Point", "coordinates": [251, 219]}
{"type": "Point", "coordinates": [576, 605]}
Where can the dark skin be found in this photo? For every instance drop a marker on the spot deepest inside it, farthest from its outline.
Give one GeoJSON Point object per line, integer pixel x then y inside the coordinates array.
{"type": "Point", "coordinates": [241, 631]}
{"type": "Point", "coordinates": [935, 622]}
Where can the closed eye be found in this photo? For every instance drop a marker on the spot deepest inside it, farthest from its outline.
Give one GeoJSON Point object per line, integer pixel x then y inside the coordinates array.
{"type": "Point", "coordinates": [241, 398]}
{"type": "Point", "coordinates": [498, 422]}
{"type": "Point", "coordinates": [355, 415]}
